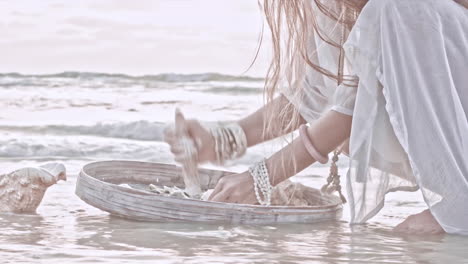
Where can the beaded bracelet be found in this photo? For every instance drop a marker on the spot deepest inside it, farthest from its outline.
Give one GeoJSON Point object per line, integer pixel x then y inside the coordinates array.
{"type": "Point", "coordinates": [310, 147]}
{"type": "Point", "coordinates": [261, 178]}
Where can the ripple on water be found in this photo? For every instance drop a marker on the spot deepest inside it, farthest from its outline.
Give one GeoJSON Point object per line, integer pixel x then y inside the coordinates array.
{"type": "Point", "coordinates": [66, 230]}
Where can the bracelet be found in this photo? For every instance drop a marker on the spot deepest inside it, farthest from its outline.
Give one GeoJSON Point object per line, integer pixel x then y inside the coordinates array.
{"type": "Point", "coordinates": [310, 147]}
{"type": "Point", "coordinates": [230, 142]}
{"type": "Point", "coordinates": [261, 178]}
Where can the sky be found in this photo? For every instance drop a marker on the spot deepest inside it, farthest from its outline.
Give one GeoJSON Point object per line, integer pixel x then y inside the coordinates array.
{"type": "Point", "coordinates": [133, 37]}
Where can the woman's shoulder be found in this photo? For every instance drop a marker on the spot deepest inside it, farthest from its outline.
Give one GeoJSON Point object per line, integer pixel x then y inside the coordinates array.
{"type": "Point", "coordinates": [378, 14]}
{"type": "Point", "coordinates": [379, 5]}
{"type": "Point", "coordinates": [411, 9]}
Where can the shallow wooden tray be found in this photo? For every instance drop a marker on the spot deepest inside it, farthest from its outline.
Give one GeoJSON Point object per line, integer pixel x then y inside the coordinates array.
{"type": "Point", "coordinates": [98, 185]}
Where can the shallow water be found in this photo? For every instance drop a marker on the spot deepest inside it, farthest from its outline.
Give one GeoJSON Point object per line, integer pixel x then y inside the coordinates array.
{"type": "Point", "coordinates": [66, 230]}
{"type": "Point", "coordinates": [78, 118]}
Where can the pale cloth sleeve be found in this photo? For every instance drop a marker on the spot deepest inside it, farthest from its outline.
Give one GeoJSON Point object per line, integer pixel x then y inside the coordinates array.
{"type": "Point", "coordinates": [315, 99]}
{"type": "Point", "coordinates": [312, 100]}
{"type": "Point", "coordinates": [318, 94]}
{"type": "Point", "coordinates": [344, 100]}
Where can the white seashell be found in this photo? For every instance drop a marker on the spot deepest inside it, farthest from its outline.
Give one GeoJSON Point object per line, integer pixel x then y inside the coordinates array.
{"type": "Point", "coordinates": [206, 195]}
{"type": "Point", "coordinates": [169, 191]}
{"type": "Point", "coordinates": [290, 193]}
{"type": "Point", "coordinates": [21, 191]}
{"type": "Point", "coordinates": [189, 165]}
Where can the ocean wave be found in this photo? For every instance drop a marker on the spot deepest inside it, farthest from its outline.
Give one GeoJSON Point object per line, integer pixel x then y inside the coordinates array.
{"type": "Point", "coordinates": [138, 130]}
{"type": "Point", "coordinates": [82, 147]}
{"type": "Point", "coordinates": [59, 147]}
{"type": "Point", "coordinates": [234, 90]}
{"type": "Point", "coordinates": [12, 78]}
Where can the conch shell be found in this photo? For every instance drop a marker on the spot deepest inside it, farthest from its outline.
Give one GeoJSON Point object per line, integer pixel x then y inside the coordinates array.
{"type": "Point", "coordinates": [21, 191]}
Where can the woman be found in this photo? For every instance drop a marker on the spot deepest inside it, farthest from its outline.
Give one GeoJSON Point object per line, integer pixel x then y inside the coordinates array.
{"type": "Point", "coordinates": [390, 76]}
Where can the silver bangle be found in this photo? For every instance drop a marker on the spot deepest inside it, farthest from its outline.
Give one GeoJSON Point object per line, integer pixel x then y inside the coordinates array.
{"type": "Point", "coordinates": [230, 142]}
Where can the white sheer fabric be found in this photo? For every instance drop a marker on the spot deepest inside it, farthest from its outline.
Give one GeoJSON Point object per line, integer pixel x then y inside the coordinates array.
{"type": "Point", "coordinates": [410, 128]}
{"type": "Point", "coordinates": [410, 123]}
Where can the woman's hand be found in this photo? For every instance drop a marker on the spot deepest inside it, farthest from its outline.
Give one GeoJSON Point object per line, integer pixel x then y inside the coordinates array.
{"type": "Point", "coordinates": [236, 188]}
{"type": "Point", "coordinates": [200, 136]}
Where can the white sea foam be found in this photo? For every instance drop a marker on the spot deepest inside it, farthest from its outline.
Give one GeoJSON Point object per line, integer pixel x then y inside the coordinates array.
{"type": "Point", "coordinates": [58, 79]}
{"type": "Point", "coordinates": [138, 130]}
{"type": "Point", "coordinates": [76, 147]}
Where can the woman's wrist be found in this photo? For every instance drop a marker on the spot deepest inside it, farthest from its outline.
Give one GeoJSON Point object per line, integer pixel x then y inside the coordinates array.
{"type": "Point", "coordinates": [310, 147]}
{"type": "Point", "coordinates": [288, 162]}
{"type": "Point", "coordinates": [275, 177]}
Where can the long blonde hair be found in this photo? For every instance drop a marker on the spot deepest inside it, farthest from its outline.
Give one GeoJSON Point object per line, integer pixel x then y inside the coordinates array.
{"type": "Point", "coordinates": [291, 22]}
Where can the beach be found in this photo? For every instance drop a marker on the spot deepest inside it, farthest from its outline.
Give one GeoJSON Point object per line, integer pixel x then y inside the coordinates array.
{"type": "Point", "coordinates": [76, 118]}
{"type": "Point", "coordinates": [89, 81]}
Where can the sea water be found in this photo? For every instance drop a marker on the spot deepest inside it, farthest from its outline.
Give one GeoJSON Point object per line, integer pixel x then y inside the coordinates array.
{"type": "Point", "coordinates": [79, 117]}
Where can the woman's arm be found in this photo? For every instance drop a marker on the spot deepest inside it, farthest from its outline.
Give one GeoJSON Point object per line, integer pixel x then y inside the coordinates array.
{"type": "Point", "coordinates": [254, 124]}
{"type": "Point", "coordinates": [326, 134]}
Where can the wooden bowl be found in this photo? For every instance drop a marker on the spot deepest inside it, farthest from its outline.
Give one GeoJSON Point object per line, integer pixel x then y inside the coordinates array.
{"type": "Point", "coordinates": [98, 184]}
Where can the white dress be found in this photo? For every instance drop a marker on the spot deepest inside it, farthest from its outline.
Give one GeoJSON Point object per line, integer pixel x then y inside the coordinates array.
{"type": "Point", "coordinates": [410, 116]}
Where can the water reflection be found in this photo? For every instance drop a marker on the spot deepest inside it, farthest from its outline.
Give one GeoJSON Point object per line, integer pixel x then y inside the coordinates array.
{"type": "Point", "coordinates": [66, 230]}
{"type": "Point", "coordinates": [19, 229]}
{"type": "Point", "coordinates": [321, 243]}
